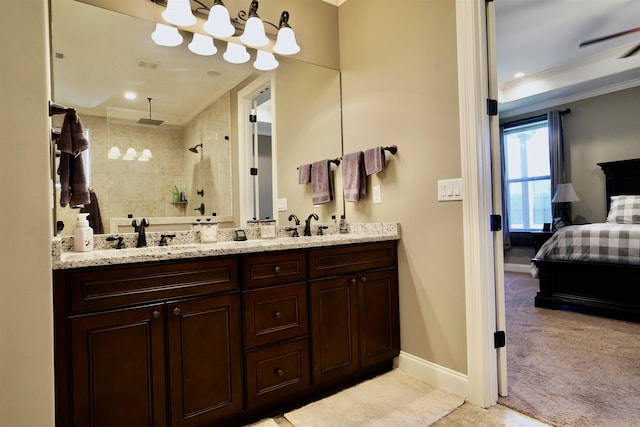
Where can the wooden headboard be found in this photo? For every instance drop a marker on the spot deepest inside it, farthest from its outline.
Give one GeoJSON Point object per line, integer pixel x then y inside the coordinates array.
{"type": "Point", "coordinates": [622, 177]}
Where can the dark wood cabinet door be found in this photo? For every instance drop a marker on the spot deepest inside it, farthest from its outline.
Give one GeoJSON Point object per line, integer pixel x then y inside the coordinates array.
{"type": "Point", "coordinates": [379, 321]}
{"type": "Point", "coordinates": [205, 359]}
{"type": "Point", "coordinates": [334, 320]}
{"type": "Point", "coordinates": [118, 368]}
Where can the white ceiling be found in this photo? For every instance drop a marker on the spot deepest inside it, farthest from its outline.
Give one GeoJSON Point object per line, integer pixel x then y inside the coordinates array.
{"type": "Point", "coordinates": [102, 51]}
{"type": "Point", "coordinates": [541, 38]}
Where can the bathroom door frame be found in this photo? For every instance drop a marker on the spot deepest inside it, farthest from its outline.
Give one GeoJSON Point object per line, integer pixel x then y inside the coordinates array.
{"type": "Point", "coordinates": [245, 145]}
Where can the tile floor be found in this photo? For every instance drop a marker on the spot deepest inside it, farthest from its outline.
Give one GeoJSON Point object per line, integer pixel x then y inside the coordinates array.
{"type": "Point", "coordinates": [469, 415]}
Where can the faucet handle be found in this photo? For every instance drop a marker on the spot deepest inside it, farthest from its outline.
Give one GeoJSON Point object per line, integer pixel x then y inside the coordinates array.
{"type": "Point", "coordinates": [320, 228]}
{"type": "Point", "coordinates": [295, 231]}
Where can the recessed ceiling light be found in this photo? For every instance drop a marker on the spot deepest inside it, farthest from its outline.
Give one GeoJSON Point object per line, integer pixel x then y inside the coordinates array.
{"type": "Point", "coordinates": [130, 95]}
{"type": "Point", "coordinates": [518, 74]}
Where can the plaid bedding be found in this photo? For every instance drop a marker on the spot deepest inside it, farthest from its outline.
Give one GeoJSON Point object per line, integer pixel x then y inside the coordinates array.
{"type": "Point", "coordinates": [603, 242]}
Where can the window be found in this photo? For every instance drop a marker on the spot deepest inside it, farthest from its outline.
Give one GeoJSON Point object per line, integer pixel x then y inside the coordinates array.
{"type": "Point", "coordinates": [527, 181]}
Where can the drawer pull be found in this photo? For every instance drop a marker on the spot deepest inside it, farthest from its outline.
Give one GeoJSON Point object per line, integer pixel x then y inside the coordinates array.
{"type": "Point", "coordinates": [277, 315]}
{"type": "Point", "coordinates": [277, 269]}
{"type": "Point", "coordinates": [176, 311]}
{"type": "Point", "coordinates": [279, 372]}
{"type": "Point", "coordinates": [155, 314]}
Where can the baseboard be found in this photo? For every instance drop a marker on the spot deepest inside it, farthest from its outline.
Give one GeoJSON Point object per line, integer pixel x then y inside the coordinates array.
{"type": "Point", "coordinates": [518, 268]}
{"type": "Point", "coordinates": [436, 375]}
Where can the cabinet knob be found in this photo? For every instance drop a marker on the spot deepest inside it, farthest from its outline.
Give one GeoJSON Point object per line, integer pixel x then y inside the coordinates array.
{"type": "Point", "coordinates": [353, 281]}
{"type": "Point", "coordinates": [277, 269]}
{"type": "Point", "coordinates": [363, 279]}
{"type": "Point", "coordinates": [176, 311]}
{"type": "Point", "coordinates": [279, 372]}
{"type": "Point", "coordinates": [277, 315]}
{"type": "Point", "coordinates": [155, 314]}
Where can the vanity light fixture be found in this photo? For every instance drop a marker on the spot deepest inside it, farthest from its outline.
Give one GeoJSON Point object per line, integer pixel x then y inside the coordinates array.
{"type": "Point", "coordinates": [220, 25]}
{"type": "Point", "coordinates": [178, 12]}
{"type": "Point", "coordinates": [130, 154]}
{"type": "Point", "coordinates": [114, 153]}
{"type": "Point", "coordinates": [145, 156]}
{"type": "Point", "coordinates": [165, 35]}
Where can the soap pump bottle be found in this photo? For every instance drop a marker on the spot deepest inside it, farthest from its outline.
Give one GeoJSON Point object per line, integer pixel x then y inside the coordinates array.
{"type": "Point", "coordinates": [176, 194]}
{"type": "Point", "coordinates": [83, 234]}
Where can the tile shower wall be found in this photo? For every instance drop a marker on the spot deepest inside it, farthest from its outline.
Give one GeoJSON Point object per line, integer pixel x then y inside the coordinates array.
{"type": "Point", "coordinates": [145, 188]}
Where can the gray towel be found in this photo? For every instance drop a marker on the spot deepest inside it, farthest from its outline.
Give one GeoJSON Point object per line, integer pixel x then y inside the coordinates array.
{"type": "Point", "coordinates": [374, 160]}
{"type": "Point", "coordinates": [71, 139]}
{"type": "Point", "coordinates": [354, 178]}
{"type": "Point", "coordinates": [304, 174]}
{"type": "Point", "coordinates": [321, 186]}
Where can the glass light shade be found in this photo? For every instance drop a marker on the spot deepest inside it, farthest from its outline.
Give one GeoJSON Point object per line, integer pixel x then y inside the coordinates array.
{"type": "Point", "coordinates": [164, 35]}
{"type": "Point", "coordinates": [286, 42]}
{"type": "Point", "coordinates": [114, 153]}
{"type": "Point", "coordinates": [219, 22]}
{"type": "Point", "coordinates": [254, 35]}
{"type": "Point", "coordinates": [202, 45]}
{"type": "Point", "coordinates": [236, 53]}
{"type": "Point", "coordinates": [565, 193]}
{"type": "Point", "coordinates": [130, 154]}
{"type": "Point", "coordinates": [178, 12]}
{"type": "Point", "coordinates": [265, 61]}
{"type": "Point", "coordinates": [145, 156]}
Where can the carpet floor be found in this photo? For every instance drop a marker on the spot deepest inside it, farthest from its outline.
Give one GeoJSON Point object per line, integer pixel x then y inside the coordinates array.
{"type": "Point", "coordinates": [392, 399]}
{"type": "Point", "coordinates": [569, 369]}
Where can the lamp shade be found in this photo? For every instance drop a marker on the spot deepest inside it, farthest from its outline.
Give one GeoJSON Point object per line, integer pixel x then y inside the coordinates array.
{"type": "Point", "coordinates": [565, 193]}
{"type": "Point", "coordinates": [145, 156]}
{"type": "Point", "coordinates": [219, 23]}
{"type": "Point", "coordinates": [165, 35]}
{"type": "Point", "coordinates": [265, 61]}
{"type": "Point", "coordinates": [178, 12]}
{"type": "Point", "coordinates": [286, 42]}
{"type": "Point", "coordinates": [254, 34]}
{"type": "Point", "coordinates": [202, 45]}
{"type": "Point", "coordinates": [236, 53]}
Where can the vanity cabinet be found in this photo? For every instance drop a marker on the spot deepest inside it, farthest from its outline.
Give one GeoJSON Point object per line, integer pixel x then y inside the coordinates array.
{"type": "Point", "coordinates": [156, 344]}
{"type": "Point", "coordinates": [276, 327]}
{"type": "Point", "coordinates": [221, 340]}
{"type": "Point", "coordinates": [354, 309]}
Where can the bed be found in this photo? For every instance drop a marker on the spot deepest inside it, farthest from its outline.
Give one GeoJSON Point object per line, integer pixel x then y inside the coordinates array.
{"type": "Point", "coordinates": [603, 285]}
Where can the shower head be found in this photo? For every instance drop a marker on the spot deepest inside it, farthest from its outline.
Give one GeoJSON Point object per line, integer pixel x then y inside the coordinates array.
{"type": "Point", "coordinates": [150, 121]}
{"type": "Point", "coordinates": [194, 149]}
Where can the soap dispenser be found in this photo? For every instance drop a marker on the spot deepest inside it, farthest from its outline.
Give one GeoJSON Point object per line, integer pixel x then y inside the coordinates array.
{"type": "Point", "coordinates": [83, 234]}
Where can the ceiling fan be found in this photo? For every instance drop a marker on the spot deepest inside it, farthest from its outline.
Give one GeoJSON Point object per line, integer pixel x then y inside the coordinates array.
{"type": "Point", "coordinates": [612, 36]}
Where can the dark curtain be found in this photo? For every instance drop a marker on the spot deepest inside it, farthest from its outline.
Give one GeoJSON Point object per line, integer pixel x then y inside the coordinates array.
{"type": "Point", "coordinates": [556, 156]}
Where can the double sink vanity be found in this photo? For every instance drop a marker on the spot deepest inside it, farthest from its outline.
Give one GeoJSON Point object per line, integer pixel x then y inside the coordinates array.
{"type": "Point", "coordinates": [224, 333]}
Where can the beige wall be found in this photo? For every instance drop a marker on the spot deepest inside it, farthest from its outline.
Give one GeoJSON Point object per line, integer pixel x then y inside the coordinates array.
{"type": "Point", "coordinates": [604, 128]}
{"type": "Point", "coordinates": [402, 89]}
{"type": "Point", "coordinates": [26, 339]}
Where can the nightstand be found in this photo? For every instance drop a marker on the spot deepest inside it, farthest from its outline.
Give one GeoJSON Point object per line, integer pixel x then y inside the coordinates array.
{"type": "Point", "coordinates": [539, 237]}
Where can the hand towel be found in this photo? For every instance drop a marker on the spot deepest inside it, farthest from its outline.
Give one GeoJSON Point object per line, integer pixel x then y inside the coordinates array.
{"type": "Point", "coordinates": [71, 139]}
{"type": "Point", "coordinates": [95, 220]}
{"type": "Point", "coordinates": [354, 178]}
{"type": "Point", "coordinates": [73, 183]}
{"type": "Point", "coordinates": [304, 174]}
{"type": "Point", "coordinates": [321, 186]}
{"type": "Point", "coordinates": [374, 160]}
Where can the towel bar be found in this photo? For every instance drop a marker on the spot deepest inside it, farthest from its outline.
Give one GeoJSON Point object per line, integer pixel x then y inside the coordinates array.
{"type": "Point", "coordinates": [393, 149]}
{"type": "Point", "coordinates": [58, 109]}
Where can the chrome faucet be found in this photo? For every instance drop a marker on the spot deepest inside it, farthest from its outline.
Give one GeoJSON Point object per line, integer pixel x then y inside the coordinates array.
{"type": "Point", "coordinates": [139, 228]}
{"type": "Point", "coordinates": [307, 224]}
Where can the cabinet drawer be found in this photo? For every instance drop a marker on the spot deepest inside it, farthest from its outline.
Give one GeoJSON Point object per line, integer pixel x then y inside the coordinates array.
{"type": "Point", "coordinates": [105, 288]}
{"type": "Point", "coordinates": [275, 314]}
{"type": "Point", "coordinates": [351, 259]}
{"type": "Point", "coordinates": [273, 269]}
{"type": "Point", "coordinates": [277, 372]}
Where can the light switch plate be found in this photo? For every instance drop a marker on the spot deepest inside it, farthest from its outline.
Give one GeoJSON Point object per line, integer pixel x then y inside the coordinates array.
{"type": "Point", "coordinates": [449, 189]}
{"type": "Point", "coordinates": [377, 194]}
{"type": "Point", "coordinates": [282, 204]}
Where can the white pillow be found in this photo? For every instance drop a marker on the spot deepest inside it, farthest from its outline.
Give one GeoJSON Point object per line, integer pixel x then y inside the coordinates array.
{"type": "Point", "coordinates": [624, 210]}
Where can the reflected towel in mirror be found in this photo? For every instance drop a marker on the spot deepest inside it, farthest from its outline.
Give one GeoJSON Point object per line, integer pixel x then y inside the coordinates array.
{"type": "Point", "coordinates": [321, 185]}
{"type": "Point", "coordinates": [304, 174]}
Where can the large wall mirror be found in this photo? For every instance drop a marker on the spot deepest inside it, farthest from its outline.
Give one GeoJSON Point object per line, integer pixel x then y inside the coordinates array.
{"type": "Point", "coordinates": [190, 126]}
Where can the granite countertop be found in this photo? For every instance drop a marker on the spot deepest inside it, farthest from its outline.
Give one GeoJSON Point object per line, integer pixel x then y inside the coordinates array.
{"type": "Point", "coordinates": [359, 233]}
